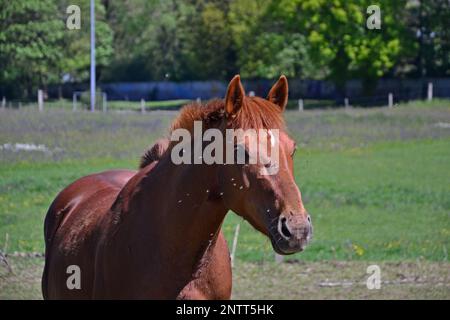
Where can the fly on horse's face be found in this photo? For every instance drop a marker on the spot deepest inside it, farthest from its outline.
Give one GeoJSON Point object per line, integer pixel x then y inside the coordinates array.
{"type": "Point", "coordinates": [272, 202]}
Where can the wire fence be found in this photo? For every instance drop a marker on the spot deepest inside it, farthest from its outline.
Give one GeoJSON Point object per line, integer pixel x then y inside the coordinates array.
{"type": "Point", "coordinates": [80, 101]}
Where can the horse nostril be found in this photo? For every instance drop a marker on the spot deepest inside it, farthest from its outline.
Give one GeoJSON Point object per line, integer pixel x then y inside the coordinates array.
{"type": "Point", "coordinates": [309, 218]}
{"type": "Point", "coordinates": [284, 229]}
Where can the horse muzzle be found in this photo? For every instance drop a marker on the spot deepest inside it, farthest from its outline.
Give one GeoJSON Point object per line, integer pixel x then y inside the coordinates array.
{"type": "Point", "coordinates": [292, 234]}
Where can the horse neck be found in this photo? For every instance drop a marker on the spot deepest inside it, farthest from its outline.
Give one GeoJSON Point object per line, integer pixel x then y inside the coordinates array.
{"type": "Point", "coordinates": [189, 216]}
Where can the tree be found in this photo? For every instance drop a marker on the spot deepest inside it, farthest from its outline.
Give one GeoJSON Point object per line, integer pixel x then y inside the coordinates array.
{"type": "Point", "coordinates": [30, 34]}
{"type": "Point", "coordinates": [171, 40]}
{"type": "Point", "coordinates": [340, 41]}
{"type": "Point", "coordinates": [210, 53]}
{"type": "Point", "coordinates": [427, 22]}
{"type": "Point", "coordinates": [178, 40]}
{"type": "Point", "coordinates": [267, 44]}
{"type": "Point", "coordinates": [75, 44]}
{"type": "Point", "coordinates": [129, 20]}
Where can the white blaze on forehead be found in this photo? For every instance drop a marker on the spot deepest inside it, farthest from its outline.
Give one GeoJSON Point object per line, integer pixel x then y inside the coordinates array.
{"type": "Point", "coordinates": [272, 139]}
{"type": "Point", "coordinates": [269, 160]}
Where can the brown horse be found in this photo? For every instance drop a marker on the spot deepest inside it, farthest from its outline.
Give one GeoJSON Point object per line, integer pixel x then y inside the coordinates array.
{"type": "Point", "coordinates": [156, 233]}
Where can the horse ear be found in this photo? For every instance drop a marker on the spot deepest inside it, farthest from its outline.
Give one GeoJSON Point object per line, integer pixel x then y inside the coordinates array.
{"type": "Point", "coordinates": [235, 96]}
{"type": "Point", "coordinates": [279, 93]}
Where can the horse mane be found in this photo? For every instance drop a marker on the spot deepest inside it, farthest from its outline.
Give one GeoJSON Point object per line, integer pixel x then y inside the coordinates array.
{"type": "Point", "coordinates": [154, 153]}
{"type": "Point", "coordinates": [255, 113]}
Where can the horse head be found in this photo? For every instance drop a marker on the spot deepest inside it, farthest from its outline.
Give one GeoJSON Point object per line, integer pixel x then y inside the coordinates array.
{"type": "Point", "coordinates": [265, 192]}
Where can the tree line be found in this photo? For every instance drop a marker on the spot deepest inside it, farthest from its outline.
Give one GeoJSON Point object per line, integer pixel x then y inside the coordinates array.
{"type": "Point", "coordinates": [180, 40]}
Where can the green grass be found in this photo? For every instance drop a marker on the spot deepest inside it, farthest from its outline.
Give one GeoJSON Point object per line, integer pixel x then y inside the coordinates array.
{"type": "Point", "coordinates": [435, 103]}
{"type": "Point", "coordinates": [376, 182]}
{"type": "Point", "coordinates": [133, 105]}
{"type": "Point", "coordinates": [389, 201]}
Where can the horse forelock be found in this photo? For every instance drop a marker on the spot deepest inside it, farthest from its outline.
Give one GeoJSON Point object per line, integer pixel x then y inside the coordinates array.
{"type": "Point", "coordinates": [255, 113]}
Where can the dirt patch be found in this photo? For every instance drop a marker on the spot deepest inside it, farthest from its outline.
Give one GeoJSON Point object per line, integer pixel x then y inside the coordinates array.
{"type": "Point", "coordinates": [340, 280]}
{"type": "Point", "coordinates": [288, 280]}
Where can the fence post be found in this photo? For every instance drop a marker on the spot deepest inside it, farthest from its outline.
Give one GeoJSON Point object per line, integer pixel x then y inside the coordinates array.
{"type": "Point", "coordinates": [430, 91]}
{"type": "Point", "coordinates": [142, 106]}
{"type": "Point", "coordinates": [199, 100]}
{"type": "Point", "coordinates": [300, 104]}
{"type": "Point", "coordinates": [346, 103]}
{"type": "Point", "coordinates": [105, 102]}
{"type": "Point", "coordinates": [4, 102]}
{"type": "Point", "coordinates": [41, 100]}
{"type": "Point", "coordinates": [251, 94]}
{"type": "Point", "coordinates": [74, 102]}
{"type": "Point", "coordinates": [235, 240]}
{"type": "Point", "coordinates": [390, 100]}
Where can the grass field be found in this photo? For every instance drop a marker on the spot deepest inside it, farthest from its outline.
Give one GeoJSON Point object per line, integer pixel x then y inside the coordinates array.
{"type": "Point", "coordinates": [376, 182]}
{"type": "Point", "coordinates": [122, 105]}
{"type": "Point", "coordinates": [295, 280]}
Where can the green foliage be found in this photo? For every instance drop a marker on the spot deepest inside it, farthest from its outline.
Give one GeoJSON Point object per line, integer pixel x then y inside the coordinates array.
{"type": "Point", "coordinates": [340, 41]}
{"type": "Point", "coordinates": [76, 43]}
{"type": "Point", "coordinates": [30, 31]}
{"type": "Point", "coordinates": [152, 39]}
{"type": "Point", "coordinates": [265, 45]}
{"type": "Point", "coordinates": [36, 48]}
{"type": "Point", "coordinates": [141, 40]}
{"type": "Point", "coordinates": [428, 22]}
{"type": "Point", "coordinates": [209, 39]}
